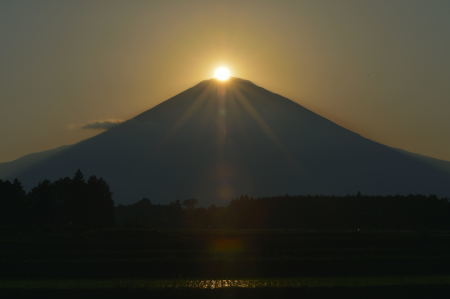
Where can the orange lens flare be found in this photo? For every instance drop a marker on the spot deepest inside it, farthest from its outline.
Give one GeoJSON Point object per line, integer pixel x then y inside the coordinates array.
{"type": "Point", "coordinates": [226, 246]}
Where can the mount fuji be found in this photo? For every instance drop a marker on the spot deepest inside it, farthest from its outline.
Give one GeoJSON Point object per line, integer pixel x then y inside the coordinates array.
{"type": "Point", "coordinates": [218, 140]}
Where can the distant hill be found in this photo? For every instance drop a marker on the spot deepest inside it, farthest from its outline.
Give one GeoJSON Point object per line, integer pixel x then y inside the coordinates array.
{"type": "Point", "coordinates": [216, 141]}
{"type": "Point", "coordinates": [16, 167]}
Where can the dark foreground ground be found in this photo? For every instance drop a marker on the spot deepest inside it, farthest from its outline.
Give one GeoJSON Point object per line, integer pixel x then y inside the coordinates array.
{"type": "Point", "coordinates": [225, 264]}
{"type": "Point", "coordinates": [319, 293]}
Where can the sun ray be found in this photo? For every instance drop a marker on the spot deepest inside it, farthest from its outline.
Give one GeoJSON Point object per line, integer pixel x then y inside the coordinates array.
{"type": "Point", "coordinates": [187, 114]}
{"type": "Point", "coordinates": [265, 128]}
{"type": "Point", "coordinates": [259, 120]}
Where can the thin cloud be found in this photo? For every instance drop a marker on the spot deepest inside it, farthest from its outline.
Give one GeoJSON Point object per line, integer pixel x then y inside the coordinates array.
{"type": "Point", "coordinates": [102, 124]}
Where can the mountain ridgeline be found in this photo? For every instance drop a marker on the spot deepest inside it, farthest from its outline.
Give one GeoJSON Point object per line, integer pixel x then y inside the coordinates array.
{"type": "Point", "coordinates": [217, 141]}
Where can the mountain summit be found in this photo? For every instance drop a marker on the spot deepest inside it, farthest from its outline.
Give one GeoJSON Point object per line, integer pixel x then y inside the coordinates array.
{"type": "Point", "coordinates": [219, 140]}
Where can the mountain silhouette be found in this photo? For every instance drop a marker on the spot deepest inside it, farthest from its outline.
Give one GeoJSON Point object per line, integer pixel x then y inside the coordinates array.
{"type": "Point", "coordinates": [216, 141]}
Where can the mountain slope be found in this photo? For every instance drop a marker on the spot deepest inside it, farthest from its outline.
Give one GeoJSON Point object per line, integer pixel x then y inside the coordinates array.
{"type": "Point", "coordinates": [217, 140]}
{"type": "Point", "coordinates": [15, 167]}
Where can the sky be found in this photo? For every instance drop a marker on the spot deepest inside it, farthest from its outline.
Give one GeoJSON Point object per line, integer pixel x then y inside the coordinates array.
{"type": "Point", "coordinates": [380, 68]}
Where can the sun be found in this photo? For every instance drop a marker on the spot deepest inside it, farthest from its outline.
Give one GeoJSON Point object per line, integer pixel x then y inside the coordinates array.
{"type": "Point", "coordinates": [222, 73]}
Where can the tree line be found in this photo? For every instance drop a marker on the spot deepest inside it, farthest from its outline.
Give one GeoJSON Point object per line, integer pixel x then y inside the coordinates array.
{"type": "Point", "coordinates": [76, 203]}
{"type": "Point", "coordinates": [353, 212]}
{"type": "Point", "coordinates": [68, 203]}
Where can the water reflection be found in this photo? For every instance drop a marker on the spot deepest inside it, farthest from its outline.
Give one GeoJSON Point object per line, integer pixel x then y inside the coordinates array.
{"type": "Point", "coordinates": [300, 282]}
{"type": "Point", "coordinates": [229, 283]}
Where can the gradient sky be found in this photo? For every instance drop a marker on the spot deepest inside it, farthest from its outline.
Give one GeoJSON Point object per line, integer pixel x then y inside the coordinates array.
{"type": "Point", "coordinates": [380, 68]}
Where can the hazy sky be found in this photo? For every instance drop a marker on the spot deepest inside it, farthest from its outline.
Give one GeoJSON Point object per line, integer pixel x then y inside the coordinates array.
{"type": "Point", "coordinates": [380, 68]}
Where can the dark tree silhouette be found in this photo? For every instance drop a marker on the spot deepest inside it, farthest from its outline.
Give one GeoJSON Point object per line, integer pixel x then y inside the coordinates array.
{"type": "Point", "coordinates": [78, 204]}
{"type": "Point", "coordinates": [13, 211]}
{"type": "Point", "coordinates": [354, 212]}
{"type": "Point", "coordinates": [190, 203]}
{"type": "Point", "coordinates": [72, 203]}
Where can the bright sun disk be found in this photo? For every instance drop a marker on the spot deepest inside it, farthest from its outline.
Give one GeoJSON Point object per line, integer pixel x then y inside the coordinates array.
{"type": "Point", "coordinates": [222, 73]}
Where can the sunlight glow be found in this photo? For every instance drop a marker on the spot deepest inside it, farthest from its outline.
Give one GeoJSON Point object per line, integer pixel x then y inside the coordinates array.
{"type": "Point", "coordinates": [222, 73]}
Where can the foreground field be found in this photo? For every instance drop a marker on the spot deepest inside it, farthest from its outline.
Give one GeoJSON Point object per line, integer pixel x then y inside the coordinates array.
{"type": "Point", "coordinates": [214, 254]}
{"type": "Point", "coordinates": [228, 264]}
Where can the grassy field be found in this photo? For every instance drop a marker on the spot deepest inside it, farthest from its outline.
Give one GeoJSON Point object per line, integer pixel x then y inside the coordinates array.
{"type": "Point", "coordinates": [192, 264]}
